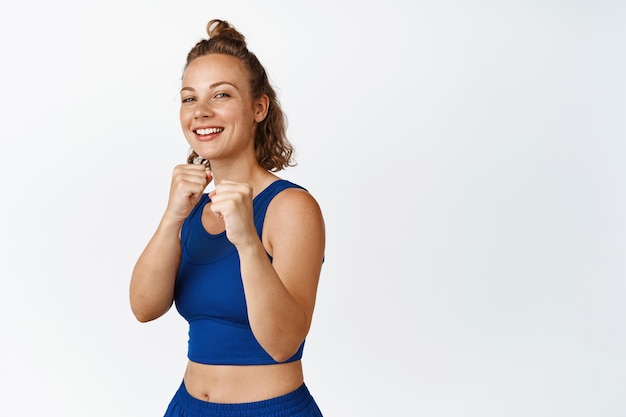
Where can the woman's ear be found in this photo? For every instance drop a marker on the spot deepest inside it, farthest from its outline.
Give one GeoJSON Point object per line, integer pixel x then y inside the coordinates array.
{"type": "Point", "coordinates": [261, 106]}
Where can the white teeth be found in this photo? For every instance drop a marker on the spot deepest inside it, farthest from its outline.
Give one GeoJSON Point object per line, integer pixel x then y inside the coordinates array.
{"type": "Point", "coordinates": [208, 131]}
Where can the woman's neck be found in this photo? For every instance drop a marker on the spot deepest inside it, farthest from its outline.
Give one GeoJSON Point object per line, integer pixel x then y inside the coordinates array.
{"type": "Point", "coordinates": [248, 173]}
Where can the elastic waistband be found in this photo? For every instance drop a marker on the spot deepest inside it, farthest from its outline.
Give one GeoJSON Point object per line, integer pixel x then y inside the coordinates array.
{"type": "Point", "coordinates": [283, 406]}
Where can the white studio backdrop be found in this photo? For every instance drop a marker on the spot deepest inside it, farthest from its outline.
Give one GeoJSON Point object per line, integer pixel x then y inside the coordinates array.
{"type": "Point", "coordinates": [468, 157]}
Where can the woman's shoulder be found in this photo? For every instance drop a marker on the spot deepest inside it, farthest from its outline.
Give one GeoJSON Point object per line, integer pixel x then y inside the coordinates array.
{"type": "Point", "coordinates": [293, 218]}
{"type": "Point", "coordinates": [291, 196]}
{"type": "Point", "coordinates": [292, 204]}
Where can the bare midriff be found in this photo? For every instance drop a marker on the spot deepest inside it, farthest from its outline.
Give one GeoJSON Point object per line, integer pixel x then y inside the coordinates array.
{"type": "Point", "coordinates": [238, 384]}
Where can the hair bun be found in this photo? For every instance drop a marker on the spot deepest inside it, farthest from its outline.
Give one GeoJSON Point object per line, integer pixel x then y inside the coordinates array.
{"type": "Point", "coordinates": [217, 28]}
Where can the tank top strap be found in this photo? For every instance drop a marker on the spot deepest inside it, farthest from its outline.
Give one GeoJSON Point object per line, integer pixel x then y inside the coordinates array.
{"type": "Point", "coordinates": [265, 197]}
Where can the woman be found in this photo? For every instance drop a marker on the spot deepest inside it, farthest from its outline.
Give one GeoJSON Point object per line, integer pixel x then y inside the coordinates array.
{"type": "Point", "coordinates": [242, 263]}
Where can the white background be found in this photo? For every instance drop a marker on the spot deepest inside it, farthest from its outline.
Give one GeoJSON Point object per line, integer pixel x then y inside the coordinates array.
{"type": "Point", "coordinates": [468, 156]}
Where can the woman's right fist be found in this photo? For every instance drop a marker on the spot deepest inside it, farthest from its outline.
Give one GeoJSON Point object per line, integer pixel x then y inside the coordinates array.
{"type": "Point", "coordinates": [188, 184]}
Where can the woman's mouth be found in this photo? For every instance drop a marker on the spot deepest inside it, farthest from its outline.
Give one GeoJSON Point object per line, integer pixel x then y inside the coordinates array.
{"type": "Point", "coordinates": [208, 131]}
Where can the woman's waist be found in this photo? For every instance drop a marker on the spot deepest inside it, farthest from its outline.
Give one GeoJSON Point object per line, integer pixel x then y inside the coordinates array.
{"type": "Point", "coordinates": [221, 341]}
{"type": "Point", "coordinates": [242, 383]}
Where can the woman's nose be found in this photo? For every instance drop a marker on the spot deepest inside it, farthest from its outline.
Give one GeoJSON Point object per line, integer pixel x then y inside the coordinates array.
{"type": "Point", "coordinates": [203, 109]}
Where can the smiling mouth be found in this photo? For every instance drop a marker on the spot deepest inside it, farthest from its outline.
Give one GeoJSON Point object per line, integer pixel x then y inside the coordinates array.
{"type": "Point", "coordinates": [208, 131]}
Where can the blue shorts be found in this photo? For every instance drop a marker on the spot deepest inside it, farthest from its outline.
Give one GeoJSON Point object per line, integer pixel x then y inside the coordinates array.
{"type": "Point", "coordinates": [298, 403]}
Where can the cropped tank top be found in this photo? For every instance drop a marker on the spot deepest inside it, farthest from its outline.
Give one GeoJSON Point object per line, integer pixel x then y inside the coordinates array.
{"type": "Point", "coordinates": [209, 291]}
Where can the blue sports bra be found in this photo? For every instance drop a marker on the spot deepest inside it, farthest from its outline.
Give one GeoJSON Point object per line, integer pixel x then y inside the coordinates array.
{"type": "Point", "coordinates": [209, 291]}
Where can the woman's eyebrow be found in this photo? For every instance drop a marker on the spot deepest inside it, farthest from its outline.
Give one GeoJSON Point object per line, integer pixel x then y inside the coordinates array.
{"type": "Point", "coordinates": [215, 84]}
{"type": "Point", "coordinates": [218, 83]}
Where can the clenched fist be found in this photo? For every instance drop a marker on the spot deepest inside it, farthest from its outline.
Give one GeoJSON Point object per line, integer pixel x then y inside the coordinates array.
{"type": "Point", "coordinates": [232, 202]}
{"type": "Point", "coordinates": [188, 184]}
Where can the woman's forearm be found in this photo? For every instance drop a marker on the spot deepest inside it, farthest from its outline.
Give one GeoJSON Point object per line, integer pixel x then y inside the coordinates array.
{"type": "Point", "coordinates": [279, 322]}
{"type": "Point", "coordinates": [154, 275]}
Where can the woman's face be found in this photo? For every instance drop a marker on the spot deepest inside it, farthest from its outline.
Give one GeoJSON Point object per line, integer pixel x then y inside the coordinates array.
{"type": "Point", "coordinates": [217, 113]}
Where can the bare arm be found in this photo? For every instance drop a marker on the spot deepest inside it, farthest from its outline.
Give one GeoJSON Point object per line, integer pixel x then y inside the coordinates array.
{"type": "Point", "coordinates": [280, 295]}
{"type": "Point", "coordinates": [154, 275]}
{"type": "Point", "coordinates": [152, 282]}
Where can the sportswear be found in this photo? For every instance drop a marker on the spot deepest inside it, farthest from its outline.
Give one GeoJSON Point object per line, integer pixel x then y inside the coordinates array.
{"type": "Point", "coordinates": [209, 291]}
{"type": "Point", "coordinates": [299, 403]}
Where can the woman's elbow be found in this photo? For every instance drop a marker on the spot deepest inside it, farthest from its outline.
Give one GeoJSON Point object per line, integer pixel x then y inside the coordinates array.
{"type": "Point", "coordinates": [142, 317]}
{"type": "Point", "coordinates": [281, 357]}
{"type": "Point", "coordinates": [144, 313]}
{"type": "Point", "coordinates": [282, 353]}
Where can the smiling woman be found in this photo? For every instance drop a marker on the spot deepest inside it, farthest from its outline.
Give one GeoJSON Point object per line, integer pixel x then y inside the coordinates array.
{"type": "Point", "coordinates": [273, 150]}
{"type": "Point", "coordinates": [241, 263]}
{"type": "Point", "coordinates": [216, 102]}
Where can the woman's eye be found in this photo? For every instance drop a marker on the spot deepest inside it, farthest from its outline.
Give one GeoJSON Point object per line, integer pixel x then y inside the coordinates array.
{"type": "Point", "coordinates": [188, 99]}
{"type": "Point", "coordinates": [221, 95]}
